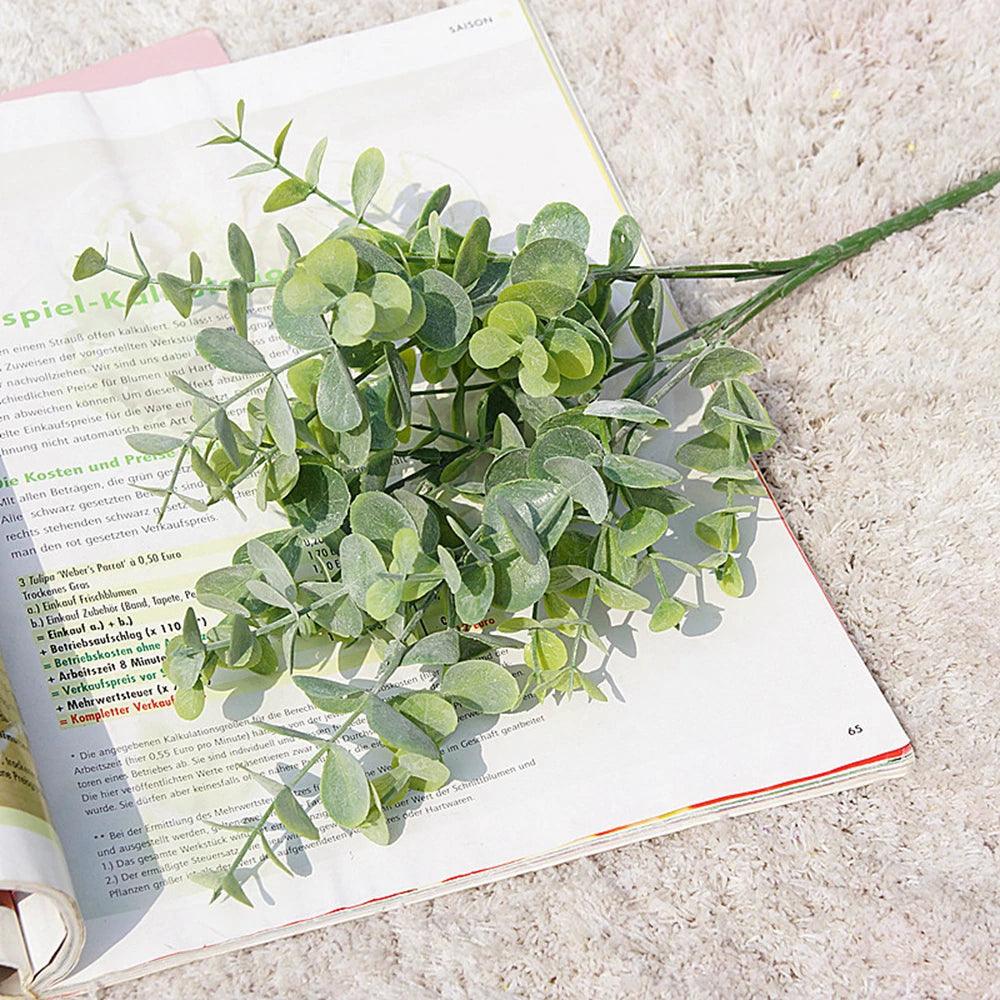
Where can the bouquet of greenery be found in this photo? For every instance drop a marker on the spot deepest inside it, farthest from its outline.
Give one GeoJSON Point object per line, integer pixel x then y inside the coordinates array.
{"type": "Point", "coordinates": [444, 448]}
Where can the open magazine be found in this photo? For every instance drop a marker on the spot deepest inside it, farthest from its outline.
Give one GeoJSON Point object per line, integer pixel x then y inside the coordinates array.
{"type": "Point", "coordinates": [104, 792]}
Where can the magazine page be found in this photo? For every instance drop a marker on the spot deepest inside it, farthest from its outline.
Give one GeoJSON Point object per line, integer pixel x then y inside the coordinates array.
{"type": "Point", "coordinates": [41, 930]}
{"type": "Point", "coordinates": [769, 693]}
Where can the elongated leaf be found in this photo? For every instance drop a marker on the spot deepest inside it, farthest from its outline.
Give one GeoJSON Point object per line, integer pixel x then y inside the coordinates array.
{"type": "Point", "coordinates": [293, 817]}
{"type": "Point", "coordinates": [272, 566]}
{"type": "Point", "coordinates": [153, 444]}
{"type": "Point", "coordinates": [627, 470]}
{"type": "Point", "coordinates": [338, 402]}
{"type": "Point", "coordinates": [278, 415]}
{"type": "Point", "coordinates": [221, 589]}
{"type": "Point", "coordinates": [432, 713]}
{"type": "Point", "coordinates": [396, 731]}
{"type": "Point", "coordinates": [344, 789]}
{"type": "Point", "coordinates": [625, 241]}
{"type": "Point", "coordinates": [475, 595]}
{"type": "Point", "coordinates": [241, 254]}
{"type": "Point", "coordinates": [329, 695]}
{"type": "Point", "coordinates": [470, 261]}
{"type": "Point", "coordinates": [366, 179]}
{"type": "Point", "coordinates": [318, 501]}
{"type": "Point", "coordinates": [641, 528]}
{"type": "Point", "coordinates": [583, 484]}
{"type": "Point", "coordinates": [360, 566]}
{"type": "Point", "coordinates": [626, 409]}
{"type": "Point", "coordinates": [227, 350]}
{"type": "Point", "coordinates": [522, 533]}
{"type": "Point", "coordinates": [289, 192]}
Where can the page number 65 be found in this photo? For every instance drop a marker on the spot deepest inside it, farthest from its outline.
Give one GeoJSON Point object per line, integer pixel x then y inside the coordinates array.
{"type": "Point", "coordinates": [854, 730]}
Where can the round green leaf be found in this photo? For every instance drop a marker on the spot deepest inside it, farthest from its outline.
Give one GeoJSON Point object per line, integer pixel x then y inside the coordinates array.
{"type": "Point", "coordinates": [545, 298]}
{"type": "Point", "coordinates": [571, 352]}
{"type": "Point", "coordinates": [435, 716]}
{"type": "Point", "coordinates": [519, 583]}
{"type": "Point", "coordinates": [626, 238]}
{"type": "Point", "coordinates": [515, 319]}
{"type": "Point", "coordinates": [490, 347]}
{"type": "Point", "coordinates": [475, 596]}
{"type": "Point", "coordinates": [483, 685]}
{"type": "Point", "coordinates": [572, 441]}
{"type": "Point", "coordinates": [582, 483]}
{"type": "Point", "coordinates": [307, 332]}
{"type": "Point", "coordinates": [640, 528]}
{"type": "Point", "coordinates": [539, 384]}
{"type": "Point", "coordinates": [360, 566]}
{"type": "Point", "coordinates": [338, 403]}
{"type": "Point", "coordinates": [355, 319]}
{"type": "Point", "coordinates": [551, 260]}
{"type": "Point", "coordinates": [318, 501]}
{"type": "Point", "coordinates": [393, 301]}
{"type": "Point", "coordinates": [333, 262]}
{"type": "Point", "coordinates": [379, 516]}
{"type": "Point", "coordinates": [448, 307]}
{"type": "Point", "coordinates": [560, 220]}
{"type": "Point", "coordinates": [532, 499]}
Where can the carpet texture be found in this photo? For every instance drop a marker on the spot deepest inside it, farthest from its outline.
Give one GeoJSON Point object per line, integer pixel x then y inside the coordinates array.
{"type": "Point", "coordinates": [749, 129]}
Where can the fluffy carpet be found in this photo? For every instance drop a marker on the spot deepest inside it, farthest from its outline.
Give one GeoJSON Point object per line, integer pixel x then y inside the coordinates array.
{"type": "Point", "coordinates": [741, 129]}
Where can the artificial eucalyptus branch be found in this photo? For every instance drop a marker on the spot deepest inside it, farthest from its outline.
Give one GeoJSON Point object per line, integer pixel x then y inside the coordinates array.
{"type": "Point", "coordinates": [453, 480]}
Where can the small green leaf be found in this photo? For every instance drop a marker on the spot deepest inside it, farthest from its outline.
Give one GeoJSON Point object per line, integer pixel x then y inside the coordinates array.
{"type": "Point", "coordinates": [472, 256]}
{"type": "Point", "coordinates": [333, 262]}
{"type": "Point", "coordinates": [583, 484]}
{"type": "Point", "coordinates": [490, 347]}
{"type": "Point", "coordinates": [396, 731]}
{"type": "Point", "coordinates": [452, 575]}
{"type": "Point", "coordinates": [640, 528]}
{"type": "Point", "coordinates": [448, 307]}
{"type": "Point", "coordinates": [647, 319]}
{"type": "Point", "coordinates": [293, 817]}
{"type": "Point", "coordinates": [272, 566]}
{"type": "Point", "coordinates": [329, 695]}
{"type": "Point", "coordinates": [475, 597]}
{"type": "Point", "coordinates": [241, 254]}
{"type": "Point", "coordinates": [303, 294]}
{"type": "Point", "coordinates": [627, 410]}
{"type": "Point", "coordinates": [315, 161]}
{"type": "Point", "coordinates": [626, 238]}
{"type": "Point", "coordinates": [360, 566]}
{"type": "Point", "coordinates": [550, 260]}
{"type": "Point", "coordinates": [560, 220]}
{"type": "Point", "coordinates": [222, 588]}
{"type": "Point", "coordinates": [241, 643]}
{"type": "Point", "coordinates": [177, 291]}
{"type": "Point", "coordinates": [134, 292]}
{"type": "Point", "coordinates": [344, 789]}
{"type": "Point", "coordinates": [355, 319]}
{"type": "Point", "coordinates": [730, 578]}
{"type": "Point", "coordinates": [521, 532]}
{"type": "Point", "coordinates": [666, 615]}
{"type": "Point", "coordinates": [379, 516]}
{"type": "Point", "coordinates": [289, 192]}
{"type": "Point", "coordinates": [628, 470]}
{"type": "Point", "coordinates": [724, 363]}
{"type": "Point", "coordinates": [366, 179]}
{"type": "Point", "coordinates": [279, 141]}
{"type": "Point", "coordinates": [706, 453]}
{"type": "Point", "coordinates": [483, 685]}
{"type": "Point", "coordinates": [338, 403]}
{"type": "Point", "coordinates": [614, 595]}
{"type": "Point", "coordinates": [278, 415]}
{"type": "Point", "coordinates": [545, 298]}
{"type": "Point", "coordinates": [428, 710]}
{"type": "Point", "coordinates": [189, 704]}
{"type": "Point", "coordinates": [227, 350]}
{"type": "Point", "coordinates": [393, 301]}
{"type": "Point", "coordinates": [439, 649]}
{"type": "Point", "coordinates": [89, 263]}
{"type": "Point", "coordinates": [153, 444]}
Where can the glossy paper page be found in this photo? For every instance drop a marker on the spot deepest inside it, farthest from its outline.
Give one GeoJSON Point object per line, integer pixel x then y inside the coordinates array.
{"type": "Point", "coordinates": [752, 693]}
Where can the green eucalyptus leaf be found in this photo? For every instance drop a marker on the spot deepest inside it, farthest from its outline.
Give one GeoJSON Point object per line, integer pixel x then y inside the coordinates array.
{"type": "Point", "coordinates": [396, 731]}
{"type": "Point", "coordinates": [627, 410]}
{"type": "Point", "coordinates": [482, 685]}
{"type": "Point", "coordinates": [560, 220]}
{"type": "Point", "coordinates": [641, 528]}
{"type": "Point", "coordinates": [626, 238]}
{"type": "Point", "coordinates": [582, 483]}
{"type": "Point", "coordinates": [439, 649]}
{"type": "Point", "coordinates": [227, 350]}
{"type": "Point", "coordinates": [344, 789]}
{"type": "Point", "coordinates": [666, 615]}
{"type": "Point", "coordinates": [329, 695]}
{"type": "Point", "coordinates": [153, 444]}
{"type": "Point", "coordinates": [448, 310]}
{"type": "Point", "coordinates": [627, 470]}
{"type": "Point", "coordinates": [724, 363]}
{"type": "Point", "coordinates": [318, 501]}
{"type": "Point", "coordinates": [472, 256]}
{"type": "Point", "coordinates": [338, 402]}
{"type": "Point", "coordinates": [366, 179]}
{"type": "Point", "coordinates": [475, 595]}
{"type": "Point", "coordinates": [360, 566]}
{"type": "Point", "coordinates": [241, 254]}
{"type": "Point", "coordinates": [289, 192]}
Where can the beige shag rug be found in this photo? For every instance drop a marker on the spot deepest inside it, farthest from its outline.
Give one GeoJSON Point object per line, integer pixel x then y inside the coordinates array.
{"type": "Point", "coordinates": [737, 129]}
